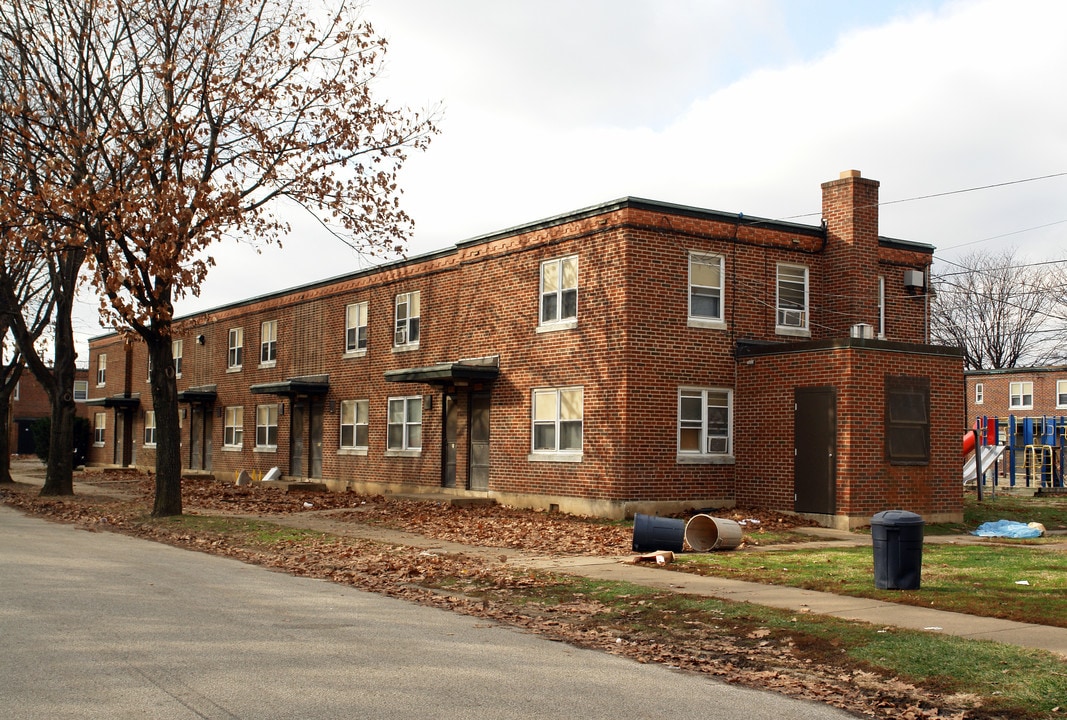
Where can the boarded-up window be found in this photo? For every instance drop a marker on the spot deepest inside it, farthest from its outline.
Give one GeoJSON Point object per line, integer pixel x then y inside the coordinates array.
{"type": "Point", "coordinates": [907, 420]}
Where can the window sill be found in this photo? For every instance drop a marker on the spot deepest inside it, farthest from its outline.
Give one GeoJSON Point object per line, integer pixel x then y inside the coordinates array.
{"type": "Point", "coordinates": [1020, 407]}
{"type": "Point", "coordinates": [560, 457]}
{"type": "Point", "coordinates": [404, 453]}
{"type": "Point", "coordinates": [361, 452]}
{"type": "Point", "coordinates": [265, 448]}
{"type": "Point", "coordinates": [410, 347]}
{"type": "Point", "coordinates": [694, 459]}
{"type": "Point", "coordinates": [792, 331]}
{"type": "Point", "coordinates": [354, 354]}
{"type": "Point", "coordinates": [706, 323]}
{"type": "Point", "coordinates": [556, 326]}
{"type": "Point", "coordinates": [268, 364]}
{"type": "Point", "coordinates": [149, 446]}
{"type": "Point", "coordinates": [232, 448]}
{"type": "Point", "coordinates": [235, 369]}
{"type": "Point", "coordinates": [98, 444]}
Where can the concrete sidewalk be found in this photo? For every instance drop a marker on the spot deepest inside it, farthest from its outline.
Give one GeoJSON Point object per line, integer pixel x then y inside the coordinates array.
{"type": "Point", "coordinates": [878, 613]}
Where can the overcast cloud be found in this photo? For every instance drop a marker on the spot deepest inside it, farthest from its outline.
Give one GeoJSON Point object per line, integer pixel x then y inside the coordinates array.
{"type": "Point", "coordinates": [741, 106]}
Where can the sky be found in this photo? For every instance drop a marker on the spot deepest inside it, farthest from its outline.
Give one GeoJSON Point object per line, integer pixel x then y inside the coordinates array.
{"type": "Point", "coordinates": [958, 108]}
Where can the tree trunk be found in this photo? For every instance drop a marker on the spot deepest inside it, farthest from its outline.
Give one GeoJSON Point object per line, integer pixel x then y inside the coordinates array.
{"type": "Point", "coordinates": [59, 478]}
{"type": "Point", "coordinates": [168, 432]}
{"type": "Point", "coordinates": [5, 436]}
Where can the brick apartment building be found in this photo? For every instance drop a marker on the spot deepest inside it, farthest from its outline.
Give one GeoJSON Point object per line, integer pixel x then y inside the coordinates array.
{"type": "Point", "coordinates": [1023, 392]}
{"type": "Point", "coordinates": [635, 356]}
{"type": "Point", "coordinates": [29, 403]}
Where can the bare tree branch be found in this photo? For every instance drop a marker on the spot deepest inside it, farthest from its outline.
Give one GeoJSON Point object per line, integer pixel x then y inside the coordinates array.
{"type": "Point", "coordinates": [1001, 314]}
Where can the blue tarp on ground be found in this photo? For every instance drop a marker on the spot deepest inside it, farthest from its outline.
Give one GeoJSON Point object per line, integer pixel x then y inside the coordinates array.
{"type": "Point", "coordinates": [1008, 529]}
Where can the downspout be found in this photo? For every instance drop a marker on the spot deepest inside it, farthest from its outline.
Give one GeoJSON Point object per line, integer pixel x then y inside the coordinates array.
{"type": "Point", "coordinates": [926, 302]}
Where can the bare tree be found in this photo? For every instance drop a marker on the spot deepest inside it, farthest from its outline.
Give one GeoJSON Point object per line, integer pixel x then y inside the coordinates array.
{"type": "Point", "coordinates": [201, 115]}
{"type": "Point", "coordinates": [1001, 313]}
{"type": "Point", "coordinates": [48, 166]}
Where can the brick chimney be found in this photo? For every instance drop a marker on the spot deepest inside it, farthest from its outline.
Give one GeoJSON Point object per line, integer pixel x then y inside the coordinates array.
{"type": "Point", "coordinates": [850, 211]}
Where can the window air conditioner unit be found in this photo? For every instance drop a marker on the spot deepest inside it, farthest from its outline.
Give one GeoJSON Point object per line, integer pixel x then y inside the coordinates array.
{"type": "Point", "coordinates": [400, 337]}
{"type": "Point", "coordinates": [790, 318]}
{"type": "Point", "coordinates": [862, 330]}
{"type": "Point", "coordinates": [914, 279]}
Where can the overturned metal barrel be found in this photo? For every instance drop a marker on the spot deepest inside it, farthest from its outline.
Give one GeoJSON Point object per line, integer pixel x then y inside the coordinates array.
{"type": "Point", "coordinates": [704, 533]}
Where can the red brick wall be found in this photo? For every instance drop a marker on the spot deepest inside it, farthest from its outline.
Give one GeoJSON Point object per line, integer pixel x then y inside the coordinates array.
{"type": "Point", "coordinates": [865, 482]}
{"type": "Point", "coordinates": [997, 398]}
{"type": "Point", "coordinates": [33, 404]}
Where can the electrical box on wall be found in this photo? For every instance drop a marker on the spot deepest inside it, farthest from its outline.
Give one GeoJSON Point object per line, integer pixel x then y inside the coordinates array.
{"type": "Point", "coordinates": [914, 279]}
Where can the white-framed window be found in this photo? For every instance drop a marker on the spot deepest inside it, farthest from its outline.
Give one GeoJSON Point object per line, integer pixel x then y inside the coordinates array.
{"type": "Point", "coordinates": [150, 428]}
{"type": "Point", "coordinates": [559, 291]}
{"type": "Point", "coordinates": [356, 328]}
{"type": "Point", "coordinates": [268, 343]}
{"type": "Point", "coordinates": [1021, 395]}
{"type": "Point", "coordinates": [267, 426]}
{"type": "Point", "coordinates": [99, 426]}
{"type": "Point", "coordinates": [405, 423]}
{"type": "Point", "coordinates": [558, 419]}
{"type": "Point", "coordinates": [704, 420]}
{"type": "Point", "coordinates": [355, 424]}
{"type": "Point", "coordinates": [792, 301]}
{"type": "Point", "coordinates": [1061, 393]}
{"type": "Point", "coordinates": [979, 393]}
{"type": "Point", "coordinates": [81, 390]}
{"type": "Point", "coordinates": [101, 370]}
{"type": "Point", "coordinates": [235, 349]}
{"type": "Point", "coordinates": [234, 427]}
{"type": "Point", "coordinates": [408, 311]}
{"type": "Point", "coordinates": [705, 287]}
{"type": "Point", "coordinates": [176, 351]}
{"type": "Point", "coordinates": [881, 307]}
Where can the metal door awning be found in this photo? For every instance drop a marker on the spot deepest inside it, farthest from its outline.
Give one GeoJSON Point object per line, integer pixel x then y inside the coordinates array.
{"type": "Point", "coordinates": [306, 385]}
{"type": "Point", "coordinates": [123, 402]}
{"type": "Point", "coordinates": [201, 394]}
{"type": "Point", "coordinates": [446, 373]}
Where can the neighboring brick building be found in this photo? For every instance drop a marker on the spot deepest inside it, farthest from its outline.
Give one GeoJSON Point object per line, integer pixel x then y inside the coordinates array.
{"type": "Point", "coordinates": [29, 403]}
{"type": "Point", "coordinates": [635, 356]}
{"type": "Point", "coordinates": [1023, 392]}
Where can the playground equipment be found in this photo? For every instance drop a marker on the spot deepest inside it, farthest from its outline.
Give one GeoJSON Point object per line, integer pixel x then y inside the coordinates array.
{"type": "Point", "coordinates": [1026, 451]}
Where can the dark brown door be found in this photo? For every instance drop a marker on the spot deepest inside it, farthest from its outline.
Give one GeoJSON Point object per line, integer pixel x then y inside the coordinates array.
{"type": "Point", "coordinates": [448, 462]}
{"type": "Point", "coordinates": [196, 437]}
{"type": "Point", "coordinates": [479, 438]}
{"type": "Point", "coordinates": [297, 438]}
{"type": "Point", "coordinates": [207, 445]}
{"type": "Point", "coordinates": [815, 448]}
{"type": "Point", "coordinates": [315, 441]}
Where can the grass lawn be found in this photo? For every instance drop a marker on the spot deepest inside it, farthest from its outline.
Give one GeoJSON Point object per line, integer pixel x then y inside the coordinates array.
{"type": "Point", "coordinates": [983, 579]}
{"type": "Point", "coordinates": [1024, 580]}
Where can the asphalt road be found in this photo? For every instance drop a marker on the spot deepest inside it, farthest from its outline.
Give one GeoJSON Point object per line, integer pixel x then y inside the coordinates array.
{"type": "Point", "coordinates": [98, 625]}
